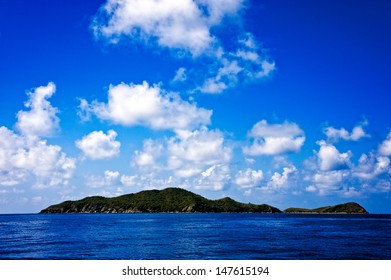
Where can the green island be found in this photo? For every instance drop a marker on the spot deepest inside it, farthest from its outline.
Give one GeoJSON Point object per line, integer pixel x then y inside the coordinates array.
{"type": "Point", "coordinates": [176, 200]}
{"type": "Point", "coordinates": [346, 208]}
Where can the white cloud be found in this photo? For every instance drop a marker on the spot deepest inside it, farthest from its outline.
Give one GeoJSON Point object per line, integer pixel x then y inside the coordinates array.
{"type": "Point", "coordinates": [327, 182]}
{"type": "Point", "coordinates": [144, 105]}
{"type": "Point", "coordinates": [149, 154]}
{"type": "Point", "coordinates": [190, 159]}
{"type": "Point", "coordinates": [41, 119]}
{"type": "Point", "coordinates": [129, 181]}
{"type": "Point", "coordinates": [274, 139]}
{"type": "Point", "coordinates": [180, 75]}
{"type": "Point", "coordinates": [279, 180]}
{"type": "Point", "coordinates": [111, 176]}
{"type": "Point", "coordinates": [331, 172]}
{"type": "Point", "coordinates": [267, 67]}
{"type": "Point", "coordinates": [252, 59]}
{"type": "Point", "coordinates": [213, 86]}
{"type": "Point", "coordinates": [183, 25]}
{"type": "Point", "coordinates": [109, 179]}
{"type": "Point", "coordinates": [329, 158]}
{"type": "Point", "coordinates": [22, 159]}
{"type": "Point", "coordinates": [248, 178]}
{"type": "Point", "coordinates": [350, 192]}
{"type": "Point", "coordinates": [248, 63]}
{"type": "Point", "coordinates": [385, 147]}
{"type": "Point", "coordinates": [25, 157]}
{"type": "Point", "coordinates": [311, 188]}
{"type": "Point", "coordinates": [371, 166]}
{"type": "Point", "coordinates": [357, 133]}
{"type": "Point", "coordinates": [226, 77]}
{"type": "Point", "coordinates": [187, 27]}
{"type": "Point", "coordinates": [98, 145]}
{"type": "Point", "coordinates": [113, 182]}
{"type": "Point", "coordinates": [214, 178]}
{"type": "Point", "coordinates": [190, 151]}
{"type": "Point", "coordinates": [84, 111]}
{"type": "Point", "coordinates": [329, 178]}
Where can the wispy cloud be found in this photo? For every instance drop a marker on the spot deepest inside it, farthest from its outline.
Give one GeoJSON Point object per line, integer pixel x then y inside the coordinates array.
{"type": "Point", "coordinates": [186, 28]}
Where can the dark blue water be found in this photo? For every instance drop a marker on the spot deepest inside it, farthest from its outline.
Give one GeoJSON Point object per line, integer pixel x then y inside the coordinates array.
{"type": "Point", "coordinates": [195, 236]}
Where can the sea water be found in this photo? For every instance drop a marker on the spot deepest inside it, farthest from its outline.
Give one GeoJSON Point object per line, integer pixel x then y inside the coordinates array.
{"type": "Point", "coordinates": [200, 236]}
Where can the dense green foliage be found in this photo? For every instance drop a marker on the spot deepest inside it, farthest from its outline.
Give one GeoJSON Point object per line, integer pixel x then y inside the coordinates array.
{"type": "Point", "coordinates": [167, 200]}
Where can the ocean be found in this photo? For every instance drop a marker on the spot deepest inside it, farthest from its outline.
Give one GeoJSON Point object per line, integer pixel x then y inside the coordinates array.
{"type": "Point", "coordinates": [196, 236]}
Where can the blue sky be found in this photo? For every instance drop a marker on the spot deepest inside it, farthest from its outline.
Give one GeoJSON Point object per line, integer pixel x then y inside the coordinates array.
{"type": "Point", "coordinates": [279, 102]}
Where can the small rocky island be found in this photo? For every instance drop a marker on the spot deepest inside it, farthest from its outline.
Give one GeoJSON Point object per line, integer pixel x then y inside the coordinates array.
{"type": "Point", "coordinates": [176, 200]}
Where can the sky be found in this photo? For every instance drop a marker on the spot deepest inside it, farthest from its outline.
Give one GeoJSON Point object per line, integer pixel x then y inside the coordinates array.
{"type": "Point", "coordinates": [279, 102]}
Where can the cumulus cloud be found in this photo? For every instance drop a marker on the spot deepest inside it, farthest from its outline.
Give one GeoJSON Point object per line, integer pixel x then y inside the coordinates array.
{"type": "Point", "coordinates": [371, 166]}
{"type": "Point", "coordinates": [327, 182]}
{"type": "Point", "coordinates": [183, 25]}
{"type": "Point", "coordinates": [329, 158]}
{"type": "Point", "coordinates": [189, 159]}
{"type": "Point", "coordinates": [332, 172]}
{"type": "Point", "coordinates": [41, 120]}
{"type": "Point", "coordinates": [248, 178]}
{"type": "Point", "coordinates": [146, 105]}
{"type": "Point", "coordinates": [98, 145]}
{"type": "Point", "coordinates": [385, 146]}
{"type": "Point", "coordinates": [274, 139]}
{"type": "Point", "coordinates": [148, 156]}
{"type": "Point", "coordinates": [357, 133]}
{"type": "Point", "coordinates": [279, 180]}
{"type": "Point", "coordinates": [186, 154]}
{"type": "Point", "coordinates": [216, 178]}
{"type": "Point", "coordinates": [187, 27]}
{"type": "Point", "coordinates": [25, 156]}
{"type": "Point", "coordinates": [109, 179]}
{"type": "Point", "coordinates": [22, 159]}
{"type": "Point", "coordinates": [190, 151]}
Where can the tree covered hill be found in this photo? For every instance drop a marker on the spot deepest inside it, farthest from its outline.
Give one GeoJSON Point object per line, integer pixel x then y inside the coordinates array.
{"type": "Point", "coordinates": [154, 201]}
{"type": "Point", "coordinates": [181, 201]}
{"type": "Point", "coordinates": [346, 208]}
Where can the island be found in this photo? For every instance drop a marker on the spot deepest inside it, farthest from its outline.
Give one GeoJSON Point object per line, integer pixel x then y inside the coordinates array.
{"type": "Point", "coordinates": [177, 200]}
{"type": "Point", "coordinates": [157, 201]}
{"type": "Point", "coordinates": [346, 208]}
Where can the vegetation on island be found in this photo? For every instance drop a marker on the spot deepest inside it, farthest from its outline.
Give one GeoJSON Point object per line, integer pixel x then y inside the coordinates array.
{"type": "Point", "coordinates": [346, 208]}
{"type": "Point", "coordinates": [155, 201]}
{"type": "Point", "coordinates": [178, 200]}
